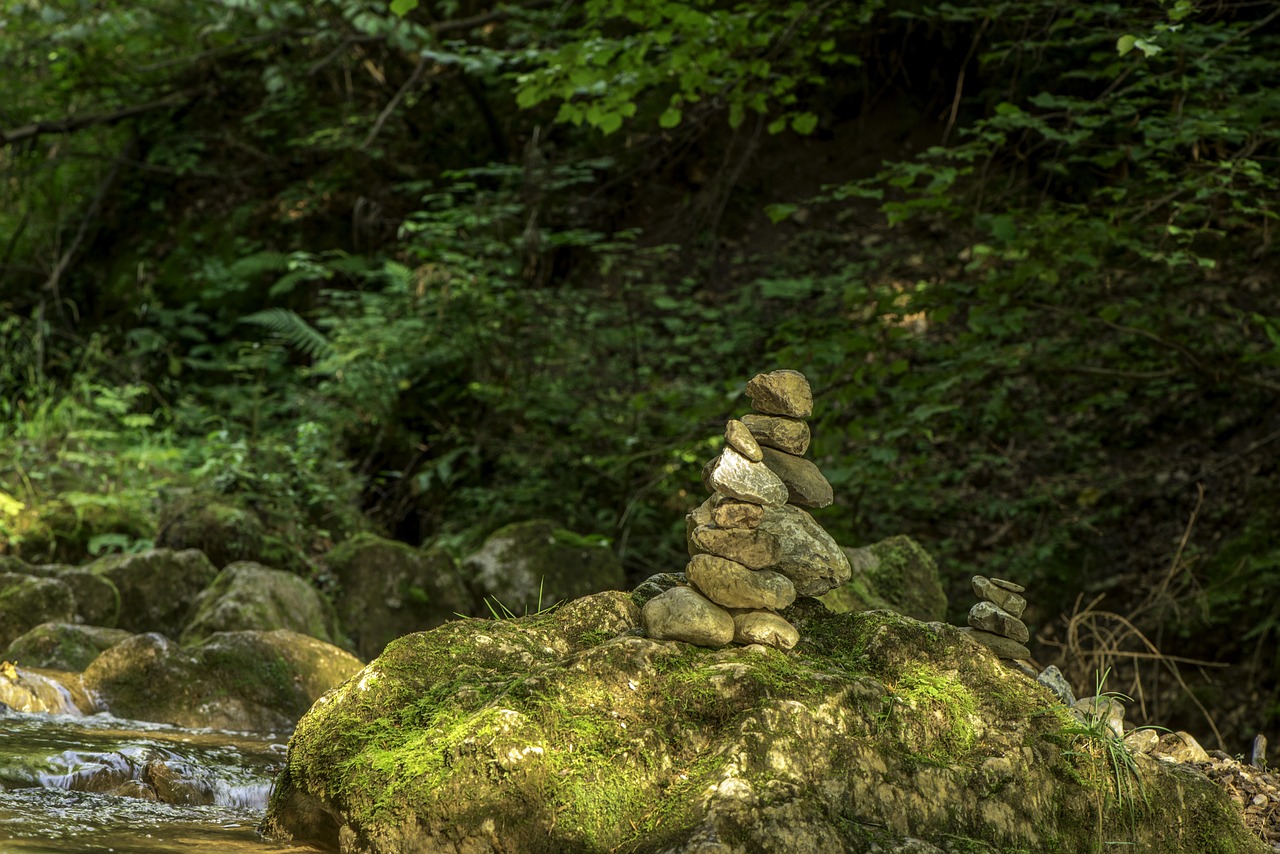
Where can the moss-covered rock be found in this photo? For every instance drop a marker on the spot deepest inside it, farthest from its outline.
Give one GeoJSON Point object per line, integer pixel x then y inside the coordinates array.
{"type": "Point", "coordinates": [224, 532]}
{"type": "Point", "coordinates": [63, 646]}
{"type": "Point", "coordinates": [26, 601]}
{"type": "Point", "coordinates": [249, 680]}
{"type": "Point", "coordinates": [571, 732]}
{"type": "Point", "coordinates": [247, 595]}
{"type": "Point", "coordinates": [897, 574]}
{"type": "Point", "coordinates": [97, 599]}
{"type": "Point", "coordinates": [157, 587]}
{"type": "Point", "coordinates": [530, 565]}
{"type": "Point", "coordinates": [387, 589]}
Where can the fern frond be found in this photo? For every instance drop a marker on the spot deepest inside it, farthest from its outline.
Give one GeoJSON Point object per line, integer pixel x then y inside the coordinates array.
{"type": "Point", "coordinates": [299, 334]}
{"type": "Point", "coordinates": [260, 262]}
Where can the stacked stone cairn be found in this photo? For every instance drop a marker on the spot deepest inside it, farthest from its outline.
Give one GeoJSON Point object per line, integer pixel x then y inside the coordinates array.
{"type": "Point", "coordinates": [753, 548]}
{"type": "Point", "coordinates": [994, 620]}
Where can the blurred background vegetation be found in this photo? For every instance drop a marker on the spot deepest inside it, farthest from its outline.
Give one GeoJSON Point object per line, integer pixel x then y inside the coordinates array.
{"type": "Point", "coordinates": [431, 267]}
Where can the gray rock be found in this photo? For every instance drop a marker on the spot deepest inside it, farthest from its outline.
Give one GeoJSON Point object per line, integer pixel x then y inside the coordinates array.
{"type": "Point", "coordinates": [999, 596]}
{"type": "Point", "coordinates": [805, 484]}
{"type": "Point", "coordinates": [986, 616]}
{"type": "Point", "coordinates": [730, 513]}
{"type": "Point", "coordinates": [778, 431]}
{"type": "Point", "coordinates": [248, 595]}
{"type": "Point", "coordinates": [1142, 740]}
{"type": "Point", "coordinates": [27, 601]}
{"type": "Point", "coordinates": [1008, 585]}
{"type": "Point", "coordinates": [732, 585]}
{"type": "Point", "coordinates": [696, 518]}
{"type": "Point", "coordinates": [1051, 677]}
{"type": "Point", "coordinates": [781, 393]}
{"type": "Point", "coordinates": [741, 440]}
{"type": "Point", "coordinates": [97, 599]}
{"type": "Point", "coordinates": [764, 627]}
{"type": "Point", "coordinates": [1180, 747]}
{"type": "Point", "coordinates": [63, 646]}
{"type": "Point", "coordinates": [810, 557]}
{"type": "Point", "coordinates": [738, 477]}
{"type": "Point", "coordinates": [157, 587]}
{"type": "Point", "coordinates": [1001, 646]}
{"type": "Point", "coordinates": [656, 585]}
{"type": "Point", "coordinates": [895, 573]}
{"type": "Point", "coordinates": [752, 547]}
{"type": "Point", "coordinates": [1102, 708]}
{"type": "Point", "coordinates": [682, 614]}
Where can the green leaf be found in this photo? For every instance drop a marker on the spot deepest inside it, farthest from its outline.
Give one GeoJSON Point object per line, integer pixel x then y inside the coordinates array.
{"type": "Point", "coordinates": [804, 124]}
{"type": "Point", "coordinates": [777, 126]}
{"type": "Point", "coordinates": [779, 212]}
{"type": "Point", "coordinates": [670, 118]}
{"type": "Point", "coordinates": [1125, 43]}
{"type": "Point", "coordinates": [403, 7]}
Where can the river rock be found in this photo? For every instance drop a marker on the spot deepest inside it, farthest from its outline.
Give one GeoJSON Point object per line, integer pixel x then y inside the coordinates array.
{"type": "Point", "coordinates": [656, 585]}
{"type": "Point", "coordinates": [732, 585]}
{"type": "Point", "coordinates": [97, 599]}
{"type": "Point", "coordinates": [26, 601]}
{"type": "Point", "coordinates": [248, 680]}
{"type": "Point", "coordinates": [764, 627]}
{"type": "Point", "coordinates": [781, 393]}
{"type": "Point", "coordinates": [751, 547]}
{"type": "Point", "coordinates": [683, 614]}
{"type": "Point", "coordinates": [157, 587]}
{"type": "Point", "coordinates": [567, 732]}
{"type": "Point", "coordinates": [776, 431]}
{"type": "Point", "coordinates": [1003, 598]}
{"type": "Point", "coordinates": [741, 440]}
{"type": "Point", "coordinates": [248, 595]}
{"type": "Point", "coordinates": [730, 513]}
{"type": "Point", "coordinates": [986, 616]}
{"type": "Point", "coordinates": [63, 646]}
{"type": "Point", "coordinates": [225, 532]}
{"type": "Point", "coordinates": [1000, 645]}
{"type": "Point", "coordinates": [806, 485]}
{"type": "Point", "coordinates": [736, 476]}
{"type": "Point", "coordinates": [896, 573]}
{"type": "Point", "coordinates": [810, 558]}
{"type": "Point", "coordinates": [529, 566]}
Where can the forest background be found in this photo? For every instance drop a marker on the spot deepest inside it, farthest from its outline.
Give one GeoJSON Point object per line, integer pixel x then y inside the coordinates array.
{"type": "Point", "coordinates": [431, 267]}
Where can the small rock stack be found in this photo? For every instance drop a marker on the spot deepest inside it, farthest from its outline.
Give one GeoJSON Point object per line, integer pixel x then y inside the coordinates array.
{"type": "Point", "coordinates": [994, 620]}
{"type": "Point", "coordinates": [753, 548]}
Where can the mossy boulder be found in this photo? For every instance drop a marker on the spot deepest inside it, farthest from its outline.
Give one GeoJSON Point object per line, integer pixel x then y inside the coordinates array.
{"type": "Point", "coordinates": [248, 680]}
{"type": "Point", "coordinates": [897, 574]}
{"type": "Point", "coordinates": [97, 599]}
{"type": "Point", "coordinates": [248, 595]}
{"type": "Point", "coordinates": [224, 532]}
{"type": "Point", "coordinates": [157, 587]}
{"type": "Point", "coordinates": [386, 589]}
{"type": "Point", "coordinates": [63, 646]}
{"type": "Point", "coordinates": [530, 565]}
{"type": "Point", "coordinates": [26, 601]}
{"type": "Point", "coordinates": [572, 732]}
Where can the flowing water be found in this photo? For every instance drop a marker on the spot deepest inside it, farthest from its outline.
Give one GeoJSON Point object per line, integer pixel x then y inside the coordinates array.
{"type": "Point", "coordinates": [73, 783]}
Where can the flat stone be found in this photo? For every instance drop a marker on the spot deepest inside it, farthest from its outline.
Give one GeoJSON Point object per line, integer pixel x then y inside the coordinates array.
{"type": "Point", "coordinates": [778, 431]}
{"type": "Point", "coordinates": [751, 547]}
{"type": "Point", "coordinates": [813, 561]}
{"type": "Point", "coordinates": [764, 627]}
{"type": "Point", "coordinates": [805, 484]}
{"type": "Point", "coordinates": [781, 393]}
{"type": "Point", "coordinates": [683, 614]}
{"type": "Point", "coordinates": [985, 615]}
{"type": "Point", "coordinates": [732, 585]}
{"type": "Point", "coordinates": [741, 440]}
{"type": "Point", "coordinates": [1008, 585]}
{"type": "Point", "coordinates": [1001, 597]}
{"type": "Point", "coordinates": [1001, 646]}
{"type": "Point", "coordinates": [738, 477]}
{"type": "Point", "coordinates": [731, 513]}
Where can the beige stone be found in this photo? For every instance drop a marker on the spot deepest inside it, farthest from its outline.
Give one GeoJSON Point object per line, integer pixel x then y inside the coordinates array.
{"type": "Point", "coordinates": [1001, 597]}
{"type": "Point", "coordinates": [986, 616]}
{"type": "Point", "coordinates": [738, 477]}
{"type": "Point", "coordinates": [781, 393]}
{"type": "Point", "coordinates": [1008, 585]}
{"type": "Point", "coordinates": [741, 440]}
{"type": "Point", "coordinates": [778, 431]}
{"type": "Point", "coordinates": [750, 547]}
{"type": "Point", "coordinates": [1001, 646]}
{"type": "Point", "coordinates": [683, 614]}
{"type": "Point", "coordinates": [764, 627]}
{"type": "Point", "coordinates": [813, 561]}
{"type": "Point", "coordinates": [731, 513]}
{"type": "Point", "coordinates": [732, 585]}
{"type": "Point", "coordinates": [806, 486]}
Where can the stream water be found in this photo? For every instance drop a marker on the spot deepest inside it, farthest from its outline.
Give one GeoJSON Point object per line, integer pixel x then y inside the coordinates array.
{"type": "Point", "coordinates": [73, 783]}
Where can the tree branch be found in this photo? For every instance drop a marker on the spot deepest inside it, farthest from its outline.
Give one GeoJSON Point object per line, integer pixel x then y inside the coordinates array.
{"type": "Point", "coordinates": [70, 125]}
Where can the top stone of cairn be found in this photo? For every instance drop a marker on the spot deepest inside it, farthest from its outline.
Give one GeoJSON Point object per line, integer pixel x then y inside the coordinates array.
{"type": "Point", "coordinates": [781, 393]}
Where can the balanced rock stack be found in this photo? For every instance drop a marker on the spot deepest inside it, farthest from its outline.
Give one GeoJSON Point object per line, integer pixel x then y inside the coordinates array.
{"type": "Point", "coordinates": [994, 620]}
{"type": "Point", "coordinates": [753, 548]}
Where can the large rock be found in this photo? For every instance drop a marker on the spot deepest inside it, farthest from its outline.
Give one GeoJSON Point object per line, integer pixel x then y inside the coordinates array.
{"type": "Point", "coordinates": [897, 574]}
{"type": "Point", "coordinates": [806, 485]}
{"type": "Point", "coordinates": [810, 558]}
{"type": "Point", "coordinates": [751, 547]}
{"type": "Point", "coordinates": [781, 393]}
{"type": "Point", "coordinates": [224, 532]}
{"type": "Point", "coordinates": [734, 475]}
{"type": "Point", "coordinates": [248, 595]}
{"type": "Point", "coordinates": [157, 587]}
{"type": "Point", "coordinates": [63, 646]}
{"type": "Point", "coordinates": [532, 565]}
{"type": "Point", "coordinates": [97, 599]}
{"type": "Point", "coordinates": [386, 589]}
{"type": "Point", "coordinates": [735, 586]}
{"type": "Point", "coordinates": [683, 614]}
{"type": "Point", "coordinates": [775, 431]}
{"type": "Point", "coordinates": [566, 732]}
{"type": "Point", "coordinates": [248, 681]}
{"type": "Point", "coordinates": [26, 601]}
